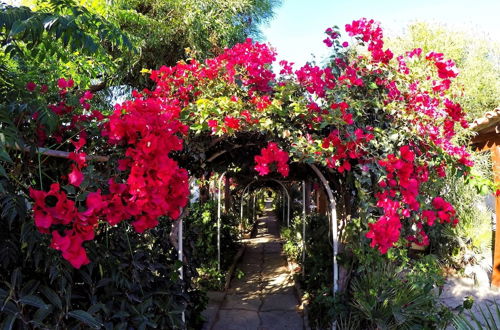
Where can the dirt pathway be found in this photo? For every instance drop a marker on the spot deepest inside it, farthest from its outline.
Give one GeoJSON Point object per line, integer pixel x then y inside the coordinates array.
{"type": "Point", "coordinates": [264, 298]}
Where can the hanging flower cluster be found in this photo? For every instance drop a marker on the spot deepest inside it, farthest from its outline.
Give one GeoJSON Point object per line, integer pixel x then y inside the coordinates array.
{"type": "Point", "coordinates": [152, 185]}
{"type": "Point", "coordinates": [270, 157]}
{"type": "Point", "coordinates": [428, 115]}
{"type": "Point", "coordinates": [400, 198]}
{"type": "Point", "coordinates": [53, 208]}
{"type": "Point", "coordinates": [155, 186]}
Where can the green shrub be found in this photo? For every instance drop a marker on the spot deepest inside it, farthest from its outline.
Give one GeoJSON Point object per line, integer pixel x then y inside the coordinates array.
{"type": "Point", "coordinates": [133, 281]}
{"type": "Point", "coordinates": [201, 235]}
{"type": "Point", "coordinates": [388, 298]}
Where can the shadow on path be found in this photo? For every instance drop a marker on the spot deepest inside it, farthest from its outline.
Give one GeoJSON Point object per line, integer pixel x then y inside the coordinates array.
{"type": "Point", "coordinates": [265, 297]}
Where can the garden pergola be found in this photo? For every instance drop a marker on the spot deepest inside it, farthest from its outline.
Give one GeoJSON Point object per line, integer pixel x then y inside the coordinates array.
{"type": "Point", "coordinates": [488, 139]}
{"type": "Point", "coordinates": [315, 172]}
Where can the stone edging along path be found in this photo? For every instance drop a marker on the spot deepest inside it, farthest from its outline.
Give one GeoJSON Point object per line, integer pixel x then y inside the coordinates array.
{"type": "Point", "coordinates": [265, 297]}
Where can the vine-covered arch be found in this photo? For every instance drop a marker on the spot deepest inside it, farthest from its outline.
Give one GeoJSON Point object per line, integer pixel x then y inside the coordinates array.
{"type": "Point", "coordinates": [375, 128]}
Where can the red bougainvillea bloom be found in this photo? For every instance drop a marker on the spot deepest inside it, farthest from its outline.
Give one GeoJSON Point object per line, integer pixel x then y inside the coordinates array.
{"type": "Point", "coordinates": [71, 247]}
{"type": "Point", "coordinates": [52, 208]}
{"type": "Point", "coordinates": [63, 83]}
{"type": "Point", "coordinates": [384, 232]}
{"type": "Point", "coordinates": [75, 177]}
{"type": "Point", "coordinates": [232, 122]}
{"type": "Point", "coordinates": [272, 156]}
{"type": "Point", "coordinates": [155, 186]}
{"type": "Point", "coordinates": [30, 86]}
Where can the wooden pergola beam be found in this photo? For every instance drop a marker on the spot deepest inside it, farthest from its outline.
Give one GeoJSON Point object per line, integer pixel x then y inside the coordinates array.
{"type": "Point", "coordinates": [488, 139]}
{"type": "Point", "coordinates": [495, 276]}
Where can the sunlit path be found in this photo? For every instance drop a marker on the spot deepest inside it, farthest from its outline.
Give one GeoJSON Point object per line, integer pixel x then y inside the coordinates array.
{"type": "Point", "coordinates": [264, 298]}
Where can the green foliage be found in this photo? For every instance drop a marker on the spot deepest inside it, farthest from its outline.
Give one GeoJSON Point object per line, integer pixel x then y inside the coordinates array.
{"type": "Point", "coordinates": [172, 30]}
{"type": "Point", "coordinates": [481, 317]}
{"type": "Point", "coordinates": [59, 38]}
{"type": "Point", "coordinates": [60, 20]}
{"type": "Point", "coordinates": [391, 291]}
{"type": "Point", "coordinates": [201, 233]}
{"type": "Point", "coordinates": [470, 241]}
{"type": "Point", "coordinates": [385, 298]}
{"type": "Point", "coordinates": [324, 307]}
{"type": "Point", "coordinates": [292, 244]}
{"type": "Point", "coordinates": [132, 282]}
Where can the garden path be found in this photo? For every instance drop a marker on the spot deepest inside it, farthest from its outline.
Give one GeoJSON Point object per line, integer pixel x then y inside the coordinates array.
{"type": "Point", "coordinates": [265, 297]}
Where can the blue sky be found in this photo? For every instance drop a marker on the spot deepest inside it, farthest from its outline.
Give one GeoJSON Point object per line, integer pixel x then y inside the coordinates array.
{"type": "Point", "coordinates": [298, 26]}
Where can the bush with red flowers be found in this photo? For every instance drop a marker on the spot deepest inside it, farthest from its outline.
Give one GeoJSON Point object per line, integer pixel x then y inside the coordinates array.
{"type": "Point", "coordinates": [380, 127]}
{"type": "Point", "coordinates": [362, 115]}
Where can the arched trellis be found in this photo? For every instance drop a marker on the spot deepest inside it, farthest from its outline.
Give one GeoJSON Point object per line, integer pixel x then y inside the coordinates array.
{"type": "Point", "coordinates": [333, 220]}
{"type": "Point", "coordinates": [332, 215]}
{"type": "Point", "coordinates": [218, 217]}
{"type": "Point", "coordinates": [284, 204]}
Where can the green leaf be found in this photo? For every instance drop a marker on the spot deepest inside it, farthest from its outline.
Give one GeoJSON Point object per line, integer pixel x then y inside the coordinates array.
{"type": "Point", "coordinates": [15, 277]}
{"type": "Point", "coordinates": [4, 156]}
{"type": "Point", "coordinates": [8, 323]}
{"type": "Point", "coordinates": [30, 287]}
{"type": "Point", "coordinates": [52, 296]}
{"type": "Point", "coordinates": [34, 301]}
{"type": "Point", "coordinates": [49, 21]}
{"type": "Point", "coordinates": [41, 314]}
{"type": "Point", "coordinates": [69, 189]}
{"type": "Point", "coordinates": [86, 318]}
{"type": "Point", "coordinates": [17, 28]}
{"type": "Point", "coordinates": [2, 171]}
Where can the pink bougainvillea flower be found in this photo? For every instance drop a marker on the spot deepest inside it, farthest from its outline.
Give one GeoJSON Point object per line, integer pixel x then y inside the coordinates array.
{"type": "Point", "coordinates": [62, 83]}
{"type": "Point", "coordinates": [71, 247]}
{"type": "Point", "coordinates": [272, 156]}
{"type": "Point", "coordinates": [88, 95]}
{"type": "Point", "coordinates": [384, 233]}
{"type": "Point", "coordinates": [75, 177]}
{"type": "Point", "coordinates": [232, 122]}
{"type": "Point", "coordinates": [79, 158]}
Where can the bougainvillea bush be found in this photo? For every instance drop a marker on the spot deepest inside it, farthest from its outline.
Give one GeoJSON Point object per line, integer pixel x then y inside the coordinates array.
{"type": "Point", "coordinates": [386, 119]}
{"type": "Point", "coordinates": [382, 123]}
